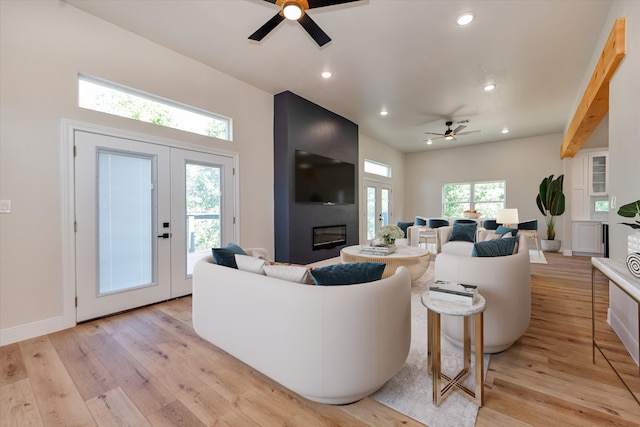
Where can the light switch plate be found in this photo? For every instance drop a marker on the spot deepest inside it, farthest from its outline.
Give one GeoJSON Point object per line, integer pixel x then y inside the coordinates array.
{"type": "Point", "coordinates": [5, 206]}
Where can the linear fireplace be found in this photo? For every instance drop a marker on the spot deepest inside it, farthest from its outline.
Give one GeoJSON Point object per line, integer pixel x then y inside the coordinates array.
{"type": "Point", "coordinates": [329, 237]}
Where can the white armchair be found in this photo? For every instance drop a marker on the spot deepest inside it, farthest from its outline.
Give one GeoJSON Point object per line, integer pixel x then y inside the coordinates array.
{"type": "Point", "coordinates": [504, 282]}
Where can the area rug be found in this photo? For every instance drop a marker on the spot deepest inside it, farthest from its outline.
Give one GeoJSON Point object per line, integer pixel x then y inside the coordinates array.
{"type": "Point", "coordinates": [409, 391]}
{"type": "Point", "coordinates": [535, 258]}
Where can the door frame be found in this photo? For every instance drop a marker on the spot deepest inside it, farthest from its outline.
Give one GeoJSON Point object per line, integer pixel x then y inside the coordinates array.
{"type": "Point", "coordinates": [68, 251]}
{"type": "Point", "coordinates": [379, 184]}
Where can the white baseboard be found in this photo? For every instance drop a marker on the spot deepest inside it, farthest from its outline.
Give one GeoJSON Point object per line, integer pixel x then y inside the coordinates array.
{"type": "Point", "coordinates": [32, 330]}
{"type": "Point", "coordinates": [625, 336]}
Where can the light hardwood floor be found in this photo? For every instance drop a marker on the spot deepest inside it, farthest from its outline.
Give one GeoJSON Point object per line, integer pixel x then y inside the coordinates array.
{"type": "Point", "coordinates": [148, 367]}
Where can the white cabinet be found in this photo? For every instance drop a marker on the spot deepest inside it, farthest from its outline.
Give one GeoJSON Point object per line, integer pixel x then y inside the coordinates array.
{"type": "Point", "coordinates": [580, 210]}
{"type": "Point", "coordinates": [598, 173]}
{"type": "Point", "coordinates": [587, 237]}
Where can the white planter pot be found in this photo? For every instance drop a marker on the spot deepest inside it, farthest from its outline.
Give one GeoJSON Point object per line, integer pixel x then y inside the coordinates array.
{"type": "Point", "coordinates": [633, 251]}
{"type": "Point", "coordinates": [550, 245]}
{"type": "Point", "coordinates": [633, 244]}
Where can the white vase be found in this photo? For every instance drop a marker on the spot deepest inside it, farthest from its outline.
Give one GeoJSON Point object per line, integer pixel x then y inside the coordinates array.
{"type": "Point", "coordinates": [633, 244]}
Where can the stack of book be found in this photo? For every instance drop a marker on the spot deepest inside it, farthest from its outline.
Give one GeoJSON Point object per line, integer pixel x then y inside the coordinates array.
{"type": "Point", "coordinates": [453, 292]}
{"type": "Point", "coordinates": [378, 250]}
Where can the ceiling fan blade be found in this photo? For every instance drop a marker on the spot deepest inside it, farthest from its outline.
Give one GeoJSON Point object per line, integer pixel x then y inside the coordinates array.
{"type": "Point", "coordinates": [271, 1]}
{"type": "Point", "coordinates": [468, 132]}
{"type": "Point", "coordinates": [458, 129]}
{"type": "Point", "coordinates": [266, 28]}
{"type": "Point", "coordinates": [433, 133]}
{"type": "Point", "coordinates": [314, 30]}
{"type": "Point", "coordinates": [322, 3]}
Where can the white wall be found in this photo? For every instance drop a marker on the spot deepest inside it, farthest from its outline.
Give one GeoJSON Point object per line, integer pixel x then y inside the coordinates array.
{"type": "Point", "coordinates": [624, 153]}
{"type": "Point", "coordinates": [522, 163]}
{"type": "Point", "coordinates": [43, 46]}
{"type": "Point", "coordinates": [371, 149]}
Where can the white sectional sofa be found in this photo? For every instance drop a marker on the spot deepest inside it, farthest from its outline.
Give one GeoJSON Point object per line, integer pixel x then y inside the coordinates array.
{"type": "Point", "coordinates": [505, 283]}
{"type": "Point", "coordinates": [330, 344]}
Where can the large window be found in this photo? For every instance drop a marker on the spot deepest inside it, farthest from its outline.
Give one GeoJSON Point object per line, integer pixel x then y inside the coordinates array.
{"type": "Point", "coordinates": [484, 197]}
{"type": "Point", "coordinates": [106, 97]}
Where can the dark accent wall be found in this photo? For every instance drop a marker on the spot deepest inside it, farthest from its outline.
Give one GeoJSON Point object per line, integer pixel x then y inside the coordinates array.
{"type": "Point", "coordinates": [302, 125]}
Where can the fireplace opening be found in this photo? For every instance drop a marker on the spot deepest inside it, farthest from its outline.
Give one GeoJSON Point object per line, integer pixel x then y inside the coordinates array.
{"type": "Point", "coordinates": [329, 237]}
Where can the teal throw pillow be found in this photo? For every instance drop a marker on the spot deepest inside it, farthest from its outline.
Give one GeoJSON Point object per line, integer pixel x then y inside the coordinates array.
{"type": "Point", "coordinates": [501, 230]}
{"type": "Point", "coordinates": [493, 248]}
{"type": "Point", "coordinates": [348, 274]}
{"type": "Point", "coordinates": [227, 256]}
{"type": "Point", "coordinates": [463, 232]}
{"type": "Point", "coordinates": [420, 221]}
{"type": "Point", "coordinates": [403, 226]}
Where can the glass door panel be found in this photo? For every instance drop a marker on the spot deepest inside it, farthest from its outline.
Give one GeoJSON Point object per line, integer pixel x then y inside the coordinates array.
{"type": "Point", "coordinates": [378, 207]}
{"type": "Point", "coordinates": [126, 221]}
{"type": "Point", "coordinates": [203, 195]}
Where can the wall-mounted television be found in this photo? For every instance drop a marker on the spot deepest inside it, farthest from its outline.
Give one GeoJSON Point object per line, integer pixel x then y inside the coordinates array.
{"type": "Point", "coordinates": [320, 179]}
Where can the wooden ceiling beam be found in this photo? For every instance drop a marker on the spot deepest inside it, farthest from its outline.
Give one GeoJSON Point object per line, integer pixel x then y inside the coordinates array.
{"type": "Point", "coordinates": [595, 100]}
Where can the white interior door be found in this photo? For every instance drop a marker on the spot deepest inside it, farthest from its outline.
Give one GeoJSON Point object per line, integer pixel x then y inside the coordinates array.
{"type": "Point", "coordinates": [122, 204]}
{"type": "Point", "coordinates": [202, 211]}
{"type": "Point", "coordinates": [378, 207]}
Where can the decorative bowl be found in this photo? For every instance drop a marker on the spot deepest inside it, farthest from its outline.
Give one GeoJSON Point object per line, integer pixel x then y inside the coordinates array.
{"type": "Point", "coordinates": [472, 215]}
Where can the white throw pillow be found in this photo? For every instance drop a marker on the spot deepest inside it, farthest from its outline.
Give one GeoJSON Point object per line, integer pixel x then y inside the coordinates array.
{"type": "Point", "coordinates": [250, 264]}
{"type": "Point", "coordinates": [290, 273]}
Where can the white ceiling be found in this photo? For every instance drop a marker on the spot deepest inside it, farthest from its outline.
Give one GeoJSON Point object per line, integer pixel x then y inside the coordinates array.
{"type": "Point", "coordinates": [406, 56]}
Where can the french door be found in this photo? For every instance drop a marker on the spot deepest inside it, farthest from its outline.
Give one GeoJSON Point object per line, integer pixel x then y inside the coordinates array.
{"type": "Point", "coordinates": [145, 213]}
{"type": "Point", "coordinates": [378, 207]}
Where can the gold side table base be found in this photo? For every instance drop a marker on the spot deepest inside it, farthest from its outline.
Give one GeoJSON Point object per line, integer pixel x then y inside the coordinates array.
{"type": "Point", "coordinates": [434, 360]}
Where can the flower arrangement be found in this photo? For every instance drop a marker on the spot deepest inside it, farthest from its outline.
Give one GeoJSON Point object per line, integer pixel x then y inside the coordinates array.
{"type": "Point", "coordinates": [389, 233]}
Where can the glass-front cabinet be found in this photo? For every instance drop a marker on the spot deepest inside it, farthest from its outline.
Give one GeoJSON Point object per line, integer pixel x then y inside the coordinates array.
{"type": "Point", "coordinates": [598, 173]}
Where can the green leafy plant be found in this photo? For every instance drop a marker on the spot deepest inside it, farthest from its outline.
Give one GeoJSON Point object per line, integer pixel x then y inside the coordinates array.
{"type": "Point", "coordinates": [551, 201]}
{"type": "Point", "coordinates": [629, 211]}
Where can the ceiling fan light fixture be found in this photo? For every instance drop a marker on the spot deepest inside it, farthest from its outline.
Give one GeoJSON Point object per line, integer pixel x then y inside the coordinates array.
{"type": "Point", "coordinates": [292, 10]}
{"type": "Point", "coordinates": [465, 18]}
{"type": "Point", "coordinates": [448, 137]}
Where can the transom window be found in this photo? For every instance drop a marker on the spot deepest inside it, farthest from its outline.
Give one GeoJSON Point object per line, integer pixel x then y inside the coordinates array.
{"type": "Point", "coordinates": [377, 168]}
{"type": "Point", "coordinates": [484, 197]}
{"type": "Point", "coordinates": [111, 98]}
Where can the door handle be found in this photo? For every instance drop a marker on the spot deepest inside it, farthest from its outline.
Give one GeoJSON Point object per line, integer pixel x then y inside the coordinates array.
{"type": "Point", "coordinates": [164, 236]}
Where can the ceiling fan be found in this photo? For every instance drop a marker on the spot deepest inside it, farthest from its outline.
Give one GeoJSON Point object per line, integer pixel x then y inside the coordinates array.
{"type": "Point", "coordinates": [450, 134]}
{"type": "Point", "coordinates": [295, 10]}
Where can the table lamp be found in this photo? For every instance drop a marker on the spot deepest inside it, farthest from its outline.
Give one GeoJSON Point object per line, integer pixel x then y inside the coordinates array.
{"type": "Point", "coordinates": [507, 217]}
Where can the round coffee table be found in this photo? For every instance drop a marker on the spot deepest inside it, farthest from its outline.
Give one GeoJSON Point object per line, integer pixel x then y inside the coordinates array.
{"type": "Point", "coordinates": [415, 259]}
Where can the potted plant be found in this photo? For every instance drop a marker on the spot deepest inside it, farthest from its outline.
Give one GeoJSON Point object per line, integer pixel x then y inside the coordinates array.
{"type": "Point", "coordinates": [551, 202]}
{"type": "Point", "coordinates": [629, 211]}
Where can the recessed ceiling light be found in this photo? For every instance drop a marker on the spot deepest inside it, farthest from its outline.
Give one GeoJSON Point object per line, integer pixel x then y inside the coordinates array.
{"type": "Point", "coordinates": [326, 74]}
{"type": "Point", "coordinates": [429, 141]}
{"type": "Point", "coordinates": [465, 18]}
{"type": "Point", "coordinates": [489, 87]}
{"type": "Point", "coordinates": [384, 112]}
{"type": "Point", "coordinates": [505, 130]}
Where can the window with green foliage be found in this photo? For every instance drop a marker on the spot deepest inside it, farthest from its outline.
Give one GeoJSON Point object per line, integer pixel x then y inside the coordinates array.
{"type": "Point", "coordinates": [484, 197]}
{"type": "Point", "coordinates": [106, 97]}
